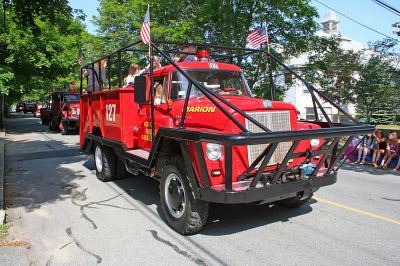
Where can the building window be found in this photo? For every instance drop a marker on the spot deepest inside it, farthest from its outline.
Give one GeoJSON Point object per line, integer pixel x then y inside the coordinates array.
{"type": "Point", "coordinates": [311, 116]}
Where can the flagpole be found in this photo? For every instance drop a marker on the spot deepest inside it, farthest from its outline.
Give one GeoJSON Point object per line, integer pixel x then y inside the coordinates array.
{"type": "Point", "coordinates": [151, 81]}
{"type": "Point", "coordinates": [269, 65]}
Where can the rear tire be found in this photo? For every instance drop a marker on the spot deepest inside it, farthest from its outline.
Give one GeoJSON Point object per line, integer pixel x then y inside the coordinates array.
{"type": "Point", "coordinates": [104, 160]}
{"type": "Point", "coordinates": [183, 213]}
{"type": "Point", "coordinates": [295, 202]}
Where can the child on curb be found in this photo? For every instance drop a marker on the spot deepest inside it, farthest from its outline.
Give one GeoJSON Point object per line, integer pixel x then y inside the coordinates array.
{"type": "Point", "coordinates": [391, 150]}
{"type": "Point", "coordinates": [380, 147]}
{"type": "Point", "coordinates": [365, 147]}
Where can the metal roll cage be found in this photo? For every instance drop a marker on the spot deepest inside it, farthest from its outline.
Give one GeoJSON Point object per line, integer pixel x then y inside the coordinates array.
{"type": "Point", "coordinates": [331, 156]}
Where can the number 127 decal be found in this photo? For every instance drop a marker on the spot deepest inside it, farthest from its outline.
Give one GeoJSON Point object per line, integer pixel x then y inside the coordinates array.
{"type": "Point", "coordinates": [110, 112]}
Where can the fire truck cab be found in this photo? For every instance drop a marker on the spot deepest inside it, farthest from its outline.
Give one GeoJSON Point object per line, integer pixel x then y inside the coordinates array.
{"type": "Point", "coordinates": [62, 113]}
{"type": "Point", "coordinates": [196, 128]}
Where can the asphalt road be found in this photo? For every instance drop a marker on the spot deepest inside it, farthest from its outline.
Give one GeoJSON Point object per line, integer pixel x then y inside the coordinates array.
{"type": "Point", "coordinates": [70, 218]}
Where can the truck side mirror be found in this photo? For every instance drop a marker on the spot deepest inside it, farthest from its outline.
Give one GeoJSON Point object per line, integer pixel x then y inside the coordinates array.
{"type": "Point", "coordinates": [140, 89]}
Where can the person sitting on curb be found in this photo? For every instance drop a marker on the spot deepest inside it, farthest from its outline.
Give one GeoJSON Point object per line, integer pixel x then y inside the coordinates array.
{"type": "Point", "coordinates": [391, 150]}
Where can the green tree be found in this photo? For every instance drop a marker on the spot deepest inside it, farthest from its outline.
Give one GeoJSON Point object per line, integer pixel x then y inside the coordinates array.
{"type": "Point", "coordinates": [36, 59]}
{"type": "Point", "coordinates": [377, 90]}
{"type": "Point", "coordinates": [333, 69]}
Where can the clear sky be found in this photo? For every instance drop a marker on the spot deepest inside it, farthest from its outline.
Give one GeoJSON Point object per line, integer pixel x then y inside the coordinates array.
{"type": "Point", "coordinates": [364, 11]}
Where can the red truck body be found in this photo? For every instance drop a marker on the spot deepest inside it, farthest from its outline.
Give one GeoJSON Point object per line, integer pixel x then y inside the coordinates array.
{"type": "Point", "coordinates": [115, 116]}
{"type": "Point", "coordinates": [196, 128]}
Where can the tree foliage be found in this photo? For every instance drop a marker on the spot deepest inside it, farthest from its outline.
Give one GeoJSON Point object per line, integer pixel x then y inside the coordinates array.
{"type": "Point", "coordinates": [333, 69]}
{"type": "Point", "coordinates": [377, 90]}
{"type": "Point", "coordinates": [368, 78]}
{"type": "Point", "coordinates": [41, 56]}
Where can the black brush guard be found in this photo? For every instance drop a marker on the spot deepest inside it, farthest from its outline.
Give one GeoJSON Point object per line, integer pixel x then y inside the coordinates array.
{"type": "Point", "coordinates": [330, 156]}
{"type": "Point", "coordinates": [260, 186]}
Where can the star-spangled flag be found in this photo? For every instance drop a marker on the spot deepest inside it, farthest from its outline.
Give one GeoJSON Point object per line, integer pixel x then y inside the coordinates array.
{"type": "Point", "coordinates": [257, 37]}
{"type": "Point", "coordinates": [79, 58]}
{"type": "Point", "coordinates": [145, 30]}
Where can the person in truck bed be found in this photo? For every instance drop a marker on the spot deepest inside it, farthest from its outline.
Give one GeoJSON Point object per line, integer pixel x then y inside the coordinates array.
{"type": "Point", "coordinates": [134, 70]}
{"type": "Point", "coordinates": [94, 86]}
{"type": "Point", "coordinates": [187, 57]}
{"type": "Point", "coordinates": [159, 96]}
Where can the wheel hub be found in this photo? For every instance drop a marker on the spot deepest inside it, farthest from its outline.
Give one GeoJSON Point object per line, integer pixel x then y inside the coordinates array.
{"type": "Point", "coordinates": [175, 195]}
{"type": "Point", "coordinates": [98, 159]}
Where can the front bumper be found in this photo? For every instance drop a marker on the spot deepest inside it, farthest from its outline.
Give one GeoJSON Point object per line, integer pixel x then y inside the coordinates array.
{"type": "Point", "coordinates": [270, 193]}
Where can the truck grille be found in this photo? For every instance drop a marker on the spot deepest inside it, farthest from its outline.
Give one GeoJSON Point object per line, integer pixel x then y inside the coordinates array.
{"type": "Point", "coordinates": [276, 121]}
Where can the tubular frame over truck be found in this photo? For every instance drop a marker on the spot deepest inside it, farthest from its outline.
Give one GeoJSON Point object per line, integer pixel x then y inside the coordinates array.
{"type": "Point", "coordinates": [262, 179]}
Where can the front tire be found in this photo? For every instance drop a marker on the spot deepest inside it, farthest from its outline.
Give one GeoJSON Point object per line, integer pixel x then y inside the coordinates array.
{"type": "Point", "coordinates": [104, 160]}
{"type": "Point", "coordinates": [183, 213]}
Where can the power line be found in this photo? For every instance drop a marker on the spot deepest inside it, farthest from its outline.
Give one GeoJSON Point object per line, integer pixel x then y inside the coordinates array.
{"type": "Point", "coordinates": [355, 21]}
{"type": "Point", "coordinates": [387, 6]}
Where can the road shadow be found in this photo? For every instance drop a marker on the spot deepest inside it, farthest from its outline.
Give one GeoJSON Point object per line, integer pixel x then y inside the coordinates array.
{"type": "Point", "coordinates": [38, 171]}
{"type": "Point", "coordinates": [224, 219]}
{"type": "Point", "coordinates": [367, 168]}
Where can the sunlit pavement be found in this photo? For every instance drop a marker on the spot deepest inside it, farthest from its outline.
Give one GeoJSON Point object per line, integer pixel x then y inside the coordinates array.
{"type": "Point", "coordinates": [67, 217]}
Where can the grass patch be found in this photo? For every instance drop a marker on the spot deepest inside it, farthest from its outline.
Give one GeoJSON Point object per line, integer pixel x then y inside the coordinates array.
{"type": "Point", "coordinates": [4, 229]}
{"type": "Point", "coordinates": [392, 127]}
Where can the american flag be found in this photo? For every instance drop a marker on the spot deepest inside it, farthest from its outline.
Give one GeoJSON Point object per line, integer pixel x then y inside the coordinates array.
{"type": "Point", "coordinates": [79, 58]}
{"type": "Point", "coordinates": [145, 30]}
{"type": "Point", "coordinates": [257, 37]}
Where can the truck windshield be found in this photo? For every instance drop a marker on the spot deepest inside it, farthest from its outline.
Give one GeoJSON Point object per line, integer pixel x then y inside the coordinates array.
{"type": "Point", "coordinates": [227, 83]}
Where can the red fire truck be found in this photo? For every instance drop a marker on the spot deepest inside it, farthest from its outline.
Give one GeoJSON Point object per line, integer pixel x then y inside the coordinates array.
{"type": "Point", "coordinates": [62, 113]}
{"type": "Point", "coordinates": [196, 128]}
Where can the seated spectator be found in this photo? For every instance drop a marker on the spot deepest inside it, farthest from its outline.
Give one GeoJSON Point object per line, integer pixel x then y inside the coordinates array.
{"type": "Point", "coordinates": [380, 147]}
{"type": "Point", "coordinates": [391, 150]}
{"type": "Point", "coordinates": [365, 147]}
{"type": "Point", "coordinates": [134, 70]}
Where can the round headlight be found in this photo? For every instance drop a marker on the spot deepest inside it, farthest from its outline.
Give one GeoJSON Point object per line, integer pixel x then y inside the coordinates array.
{"type": "Point", "coordinates": [213, 151]}
{"type": "Point", "coordinates": [314, 143]}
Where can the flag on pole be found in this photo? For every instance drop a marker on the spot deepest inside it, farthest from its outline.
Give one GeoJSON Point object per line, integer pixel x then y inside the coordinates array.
{"type": "Point", "coordinates": [145, 30]}
{"type": "Point", "coordinates": [257, 37]}
{"type": "Point", "coordinates": [79, 58]}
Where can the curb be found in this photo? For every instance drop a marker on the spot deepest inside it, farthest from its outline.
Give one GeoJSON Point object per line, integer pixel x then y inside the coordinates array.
{"type": "Point", "coordinates": [2, 201]}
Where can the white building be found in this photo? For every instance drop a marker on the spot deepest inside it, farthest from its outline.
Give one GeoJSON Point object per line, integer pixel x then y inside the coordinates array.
{"type": "Point", "coordinates": [297, 93]}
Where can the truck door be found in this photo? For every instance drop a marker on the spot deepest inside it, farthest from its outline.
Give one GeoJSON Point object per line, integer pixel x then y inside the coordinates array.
{"type": "Point", "coordinates": [162, 116]}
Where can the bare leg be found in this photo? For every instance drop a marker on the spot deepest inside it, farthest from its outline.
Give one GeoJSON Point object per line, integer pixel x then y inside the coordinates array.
{"type": "Point", "coordinates": [359, 155]}
{"type": "Point", "coordinates": [378, 156]}
{"type": "Point", "coordinates": [397, 166]}
{"type": "Point", "coordinates": [389, 159]}
{"type": "Point", "coordinates": [385, 157]}
{"type": "Point", "coordinates": [365, 152]}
